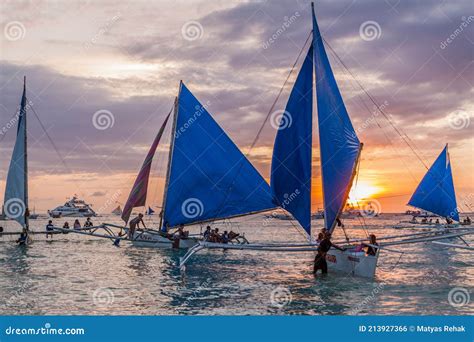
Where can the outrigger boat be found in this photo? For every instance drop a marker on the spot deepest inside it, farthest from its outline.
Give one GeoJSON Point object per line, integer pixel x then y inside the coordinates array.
{"type": "Point", "coordinates": [207, 178]}
{"type": "Point", "coordinates": [436, 195]}
{"type": "Point", "coordinates": [340, 151]}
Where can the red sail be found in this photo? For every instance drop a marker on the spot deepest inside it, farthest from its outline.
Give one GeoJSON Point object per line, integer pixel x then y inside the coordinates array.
{"type": "Point", "coordinates": [137, 196]}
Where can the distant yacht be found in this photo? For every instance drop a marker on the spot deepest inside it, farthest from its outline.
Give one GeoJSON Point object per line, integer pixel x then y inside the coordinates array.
{"type": "Point", "coordinates": [74, 207]}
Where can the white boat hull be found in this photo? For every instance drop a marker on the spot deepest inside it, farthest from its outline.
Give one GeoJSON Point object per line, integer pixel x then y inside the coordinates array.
{"type": "Point", "coordinates": [351, 262]}
{"type": "Point", "coordinates": [154, 240]}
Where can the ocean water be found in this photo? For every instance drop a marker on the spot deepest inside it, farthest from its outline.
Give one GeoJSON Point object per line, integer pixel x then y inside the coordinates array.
{"type": "Point", "coordinates": [77, 274]}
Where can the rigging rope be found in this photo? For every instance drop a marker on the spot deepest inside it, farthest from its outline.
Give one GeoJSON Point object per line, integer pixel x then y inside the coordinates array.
{"type": "Point", "coordinates": [405, 137]}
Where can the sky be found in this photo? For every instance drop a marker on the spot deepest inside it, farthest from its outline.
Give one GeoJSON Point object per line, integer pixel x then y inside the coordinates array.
{"type": "Point", "coordinates": [102, 76]}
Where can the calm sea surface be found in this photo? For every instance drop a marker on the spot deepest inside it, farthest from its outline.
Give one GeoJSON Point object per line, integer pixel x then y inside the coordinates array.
{"type": "Point", "coordinates": [80, 275]}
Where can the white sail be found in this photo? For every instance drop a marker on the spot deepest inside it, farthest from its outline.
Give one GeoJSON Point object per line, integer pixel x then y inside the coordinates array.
{"type": "Point", "coordinates": [16, 190]}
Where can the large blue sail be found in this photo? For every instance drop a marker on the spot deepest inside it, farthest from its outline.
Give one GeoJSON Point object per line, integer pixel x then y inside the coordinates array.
{"type": "Point", "coordinates": [16, 190]}
{"type": "Point", "coordinates": [340, 147]}
{"type": "Point", "coordinates": [291, 161]}
{"type": "Point", "coordinates": [435, 193]}
{"type": "Point", "coordinates": [209, 177]}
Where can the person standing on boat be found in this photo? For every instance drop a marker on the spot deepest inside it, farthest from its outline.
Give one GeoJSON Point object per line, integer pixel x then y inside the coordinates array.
{"type": "Point", "coordinates": [49, 229]}
{"type": "Point", "coordinates": [134, 224]}
{"type": "Point", "coordinates": [320, 259]}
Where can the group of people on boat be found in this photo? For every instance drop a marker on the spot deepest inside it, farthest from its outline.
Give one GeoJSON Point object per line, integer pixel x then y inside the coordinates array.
{"type": "Point", "coordinates": [213, 235]}
{"type": "Point", "coordinates": [76, 225]}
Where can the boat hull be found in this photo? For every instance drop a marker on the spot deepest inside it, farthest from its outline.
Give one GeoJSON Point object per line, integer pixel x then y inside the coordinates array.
{"type": "Point", "coordinates": [351, 262]}
{"type": "Point", "coordinates": [153, 240]}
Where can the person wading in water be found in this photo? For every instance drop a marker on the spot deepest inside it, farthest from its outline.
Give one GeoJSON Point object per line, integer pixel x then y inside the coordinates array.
{"type": "Point", "coordinates": [320, 259]}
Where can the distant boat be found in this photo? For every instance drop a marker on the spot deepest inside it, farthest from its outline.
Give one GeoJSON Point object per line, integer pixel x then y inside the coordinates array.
{"type": "Point", "coordinates": [75, 207]}
{"type": "Point", "coordinates": [436, 193]}
{"type": "Point", "coordinates": [150, 211]}
{"type": "Point", "coordinates": [117, 211]}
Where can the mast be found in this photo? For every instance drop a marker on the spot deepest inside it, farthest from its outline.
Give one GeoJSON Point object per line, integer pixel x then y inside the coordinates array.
{"type": "Point", "coordinates": [170, 154]}
{"type": "Point", "coordinates": [23, 109]}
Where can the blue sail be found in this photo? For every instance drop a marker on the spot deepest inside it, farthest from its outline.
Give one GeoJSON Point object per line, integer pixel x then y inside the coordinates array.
{"type": "Point", "coordinates": [209, 177]}
{"type": "Point", "coordinates": [16, 190]}
{"type": "Point", "coordinates": [435, 193]}
{"type": "Point", "coordinates": [339, 145]}
{"type": "Point", "coordinates": [291, 161]}
{"type": "Point", "coordinates": [150, 211]}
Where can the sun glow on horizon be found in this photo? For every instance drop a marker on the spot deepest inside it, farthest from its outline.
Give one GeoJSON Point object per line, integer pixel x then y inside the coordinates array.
{"type": "Point", "coordinates": [362, 190]}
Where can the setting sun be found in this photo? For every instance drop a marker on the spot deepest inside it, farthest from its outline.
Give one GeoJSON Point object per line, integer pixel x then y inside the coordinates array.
{"type": "Point", "coordinates": [362, 190]}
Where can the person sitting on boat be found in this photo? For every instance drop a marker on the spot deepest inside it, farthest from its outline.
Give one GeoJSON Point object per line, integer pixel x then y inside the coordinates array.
{"type": "Point", "coordinates": [22, 240]}
{"type": "Point", "coordinates": [77, 224]}
{"type": "Point", "coordinates": [207, 233]}
{"type": "Point", "coordinates": [431, 221]}
{"type": "Point", "coordinates": [320, 259]}
{"type": "Point", "coordinates": [135, 223]}
{"type": "Point", "coordinates": [467, 220]}
{"type": "Point", "coordinates": [372, 241]}
{"type": "Point", "coordinates": [49, 229]}
{"type": "Point", "coordinates": [449, 220]}
{"type": "Point", "coordinates": [225, 237]}
{"type": "Point", "coordinates": [424, 220]}
{"type": "Point", "coordinates": [88, 223]}
{"type": "Point", "coordinates": [215, 236]}
{"type": "Point", "coordinates": [437, 221]}
{"type": "Point", "coordinates": [66, 226]}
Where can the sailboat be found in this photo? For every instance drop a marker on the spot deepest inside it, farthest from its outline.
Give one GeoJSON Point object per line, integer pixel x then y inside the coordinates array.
{"type": "Point", "coordinates": [16, 190]}
{"type": "Point", "coordinates": [436, 193]}
{"type": "Point", "coordinates": [208, 178]}
{"type": "Point", "coordinates": [150, 211]}
{"type": "Point", "coordinates": [340, 151]}
{"type": "Point", "coordinates": [117, 211]}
